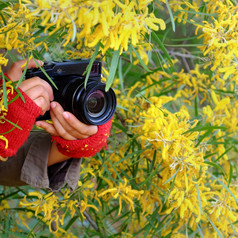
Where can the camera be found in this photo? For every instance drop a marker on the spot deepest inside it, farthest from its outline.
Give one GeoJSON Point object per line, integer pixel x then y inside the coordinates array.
{"type": "Point", "coordinates": [92, 105]}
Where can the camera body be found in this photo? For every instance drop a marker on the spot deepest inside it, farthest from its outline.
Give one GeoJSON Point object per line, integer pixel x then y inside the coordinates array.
{"type": "Point", "coordinates": [92, 105]}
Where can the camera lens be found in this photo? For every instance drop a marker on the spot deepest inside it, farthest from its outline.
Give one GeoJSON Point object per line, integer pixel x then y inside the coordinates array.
{"type": "Point", "coordinates": [96, 103]}
{"type": "Point", "coordinates": [92, 105]}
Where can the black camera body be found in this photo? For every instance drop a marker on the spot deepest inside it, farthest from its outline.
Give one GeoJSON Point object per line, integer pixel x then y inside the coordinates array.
{"type": "Point", "coordinates": [92, 105]}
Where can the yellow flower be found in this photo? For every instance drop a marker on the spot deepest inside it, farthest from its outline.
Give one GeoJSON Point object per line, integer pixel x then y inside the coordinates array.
{"type": "Point", "coordinates": [123, 192]}
{"type": "Point", "coordinates": [84, 205]}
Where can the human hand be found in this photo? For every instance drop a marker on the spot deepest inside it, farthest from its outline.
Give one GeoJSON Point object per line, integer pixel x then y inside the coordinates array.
{"type": "Point", "coordinates": [37, 89]}
{"type": "Point", "coordinates": [66, 125]}
{"type": "Point", "coordinates": [15, 72]}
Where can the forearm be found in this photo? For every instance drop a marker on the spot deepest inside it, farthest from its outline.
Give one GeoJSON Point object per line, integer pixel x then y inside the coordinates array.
{"type": "Point", "coordinates": [55, 156]}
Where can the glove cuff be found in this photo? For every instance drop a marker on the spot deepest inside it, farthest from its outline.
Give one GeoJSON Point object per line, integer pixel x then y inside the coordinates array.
{"type": "Point", "coordinates": [20, 113]}
{"type": "Point", "coordinates": [85, 147]}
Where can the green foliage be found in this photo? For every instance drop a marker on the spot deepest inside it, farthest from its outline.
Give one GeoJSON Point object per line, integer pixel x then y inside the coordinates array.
{"type": "Point", "coordinates": [170, 168]}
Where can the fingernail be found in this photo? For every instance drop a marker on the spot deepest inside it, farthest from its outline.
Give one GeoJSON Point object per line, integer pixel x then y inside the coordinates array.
{"type": "Point", "coordinates": [65, 115]}
{"type": "Point", "coordinates": [53, 105]}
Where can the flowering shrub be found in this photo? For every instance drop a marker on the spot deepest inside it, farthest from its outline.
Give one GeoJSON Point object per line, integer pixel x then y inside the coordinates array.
{"type": "Point", "coordinates": [170, 168]}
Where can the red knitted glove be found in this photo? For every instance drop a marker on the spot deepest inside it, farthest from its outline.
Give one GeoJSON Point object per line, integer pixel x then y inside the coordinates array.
{"type": "Point", "coordinates": [85, 147]}
{"type": "Point", "coordinates": [22, 114]}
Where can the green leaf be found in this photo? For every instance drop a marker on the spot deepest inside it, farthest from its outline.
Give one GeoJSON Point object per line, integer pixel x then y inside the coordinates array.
{"type": "Point", "coordinates": [12, 56]}
{"type": "Point", "coordinates": [89, 66]}
{"type": "Point", "coordinates": [43, 70]}
{"type": "Point", "coordinates": [121, 74]}
{"type": "Point", "coordinates": [4, 88]}
{"type": "Point", "coordinates": [15, 125]}
{"type": "Point", "coordinates": [19, 94]}
{"type": "Point", "coordinates": [140, 60]}
{"type": "Point", "coordinates": [225, 152]}
{"type": "Point", "coordinates": [23, 74]}
{"type": "Point", "coordinates": [151, 175]}
{"type": "Point", "coordinates": [218, 232]}
{"type": "Point", "coordinates": [196, 106]}
{"type": "Point", "coordinates": [74, 27]}
{"type": "Point", "coordinates": [228, 190]}
{"type": "Point", "coordinates": [171, 15]}
{"type": "Point", "coordinates": [184, 45]}
{"type": "Point", "coordinates": [3, 32]}
{"type": "Point", "coordinates": [205, 135]}
{"type": "Point", "coordinates": [205, 127]}
{"type": "Point", "coordinates": [198, 13]}
{"type": "Point", "coordinates": [4, 5]}
{"type": "Point", "coordinates": [130, 156]}
{"type": "Point", "coordinates": [161, 45]}
{"type": "Point", "coordinates": [173, 176]}
{"type": "Point", "coordinates": [200, 231]}
{"type": "Point", "coordinates": [230, 175]}
{"type": "Point", "coordinates": [71, 222]}
{"type": "Point", "coordinates": [199, 199]}
{"type": "Point", "coordinates": [217, 166]}
{"type": "Point", "coordinates": [113, 68]}
{"type": "Point", "coordinates": [105, 168]}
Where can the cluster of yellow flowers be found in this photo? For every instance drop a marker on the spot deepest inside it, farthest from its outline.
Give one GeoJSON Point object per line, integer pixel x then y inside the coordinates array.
{"type": "Point", "coordinates": [169, 139]}
{"type": "Point", "coordinates": [220, 38]}
{"type": "Point", "coordinates": [171, 160]}
{"type": "Point", "coordinates": [112, 23]}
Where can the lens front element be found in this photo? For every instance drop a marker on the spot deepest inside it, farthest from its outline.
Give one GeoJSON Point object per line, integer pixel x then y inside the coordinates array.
{"type": "Point", "coordinates": [91, 105]}
{"type": "Point", "coordinates": [96, 103]}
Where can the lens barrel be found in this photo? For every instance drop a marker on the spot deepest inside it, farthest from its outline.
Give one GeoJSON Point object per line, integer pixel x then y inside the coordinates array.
{"type": "Point", "coordinates": [91, 105]}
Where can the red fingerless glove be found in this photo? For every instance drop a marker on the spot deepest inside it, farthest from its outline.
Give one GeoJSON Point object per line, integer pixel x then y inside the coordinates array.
{"type": "Point", "coordinates": [85, 147]}
{"type": "Point", "coordinates": [22, 114]}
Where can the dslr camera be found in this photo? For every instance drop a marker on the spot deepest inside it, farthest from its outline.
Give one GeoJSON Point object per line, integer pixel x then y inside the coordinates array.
{"type": "Point", "coordinates": [92, 105]}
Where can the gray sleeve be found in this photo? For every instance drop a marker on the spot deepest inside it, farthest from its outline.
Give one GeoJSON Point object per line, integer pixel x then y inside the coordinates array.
{"type": "Point", "coordinates": [29, 166]}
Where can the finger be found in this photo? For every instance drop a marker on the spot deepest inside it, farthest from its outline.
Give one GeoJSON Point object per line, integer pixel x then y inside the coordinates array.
{"type": "Point", "coordinates": [43, 104]}
{"type": "Point", "coordinates": [37, 91]}
{"type": "Point", "coordinates": [36, 81]}
{"type": "Point", "coordinates": [60, 129]}
{"type": "Point", "coordinates": [87, 130]}
{"type": "Point", "coordinates": [47, 127]}
{"type": "Point", "coordinates": [71, 124]}
{"type": "Point", "coordinates": [16, 69]}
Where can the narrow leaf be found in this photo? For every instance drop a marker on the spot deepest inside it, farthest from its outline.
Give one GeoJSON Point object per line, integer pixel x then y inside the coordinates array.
{"type": "Point", "coordinates": [217, 166]}
{"type": "Point", "coordinates": [140, 60]}
{"type": "Point", "coordinates": [173, 176]}
{"type": "Point", "coordinates": [171, 15]}
{"type": "Point", "coordinates": [4, 87]}
{"type": "Point", "coordinates": [230, 175]}
{"type": "Point", "coordinates": [224, 153]}
{"type": "Point", "coordinates": [199, 199]}
{"type": "Point", "coordinates": [218, 232]}
{"type": "Point", "coordinates": [161, 45]}
{"type": "Point", "coordinates": [113, 68]}
{"type": "Point", "coordinates": [228, 190]}
{"type": "Point", "coordinates": [15, 125]}
{"type": "Point", "coordinates": [43, 70]}
{"type": "Point", "coordinates": [89, 67]}
{"type": "Point", "coordinates": [23, 74]}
